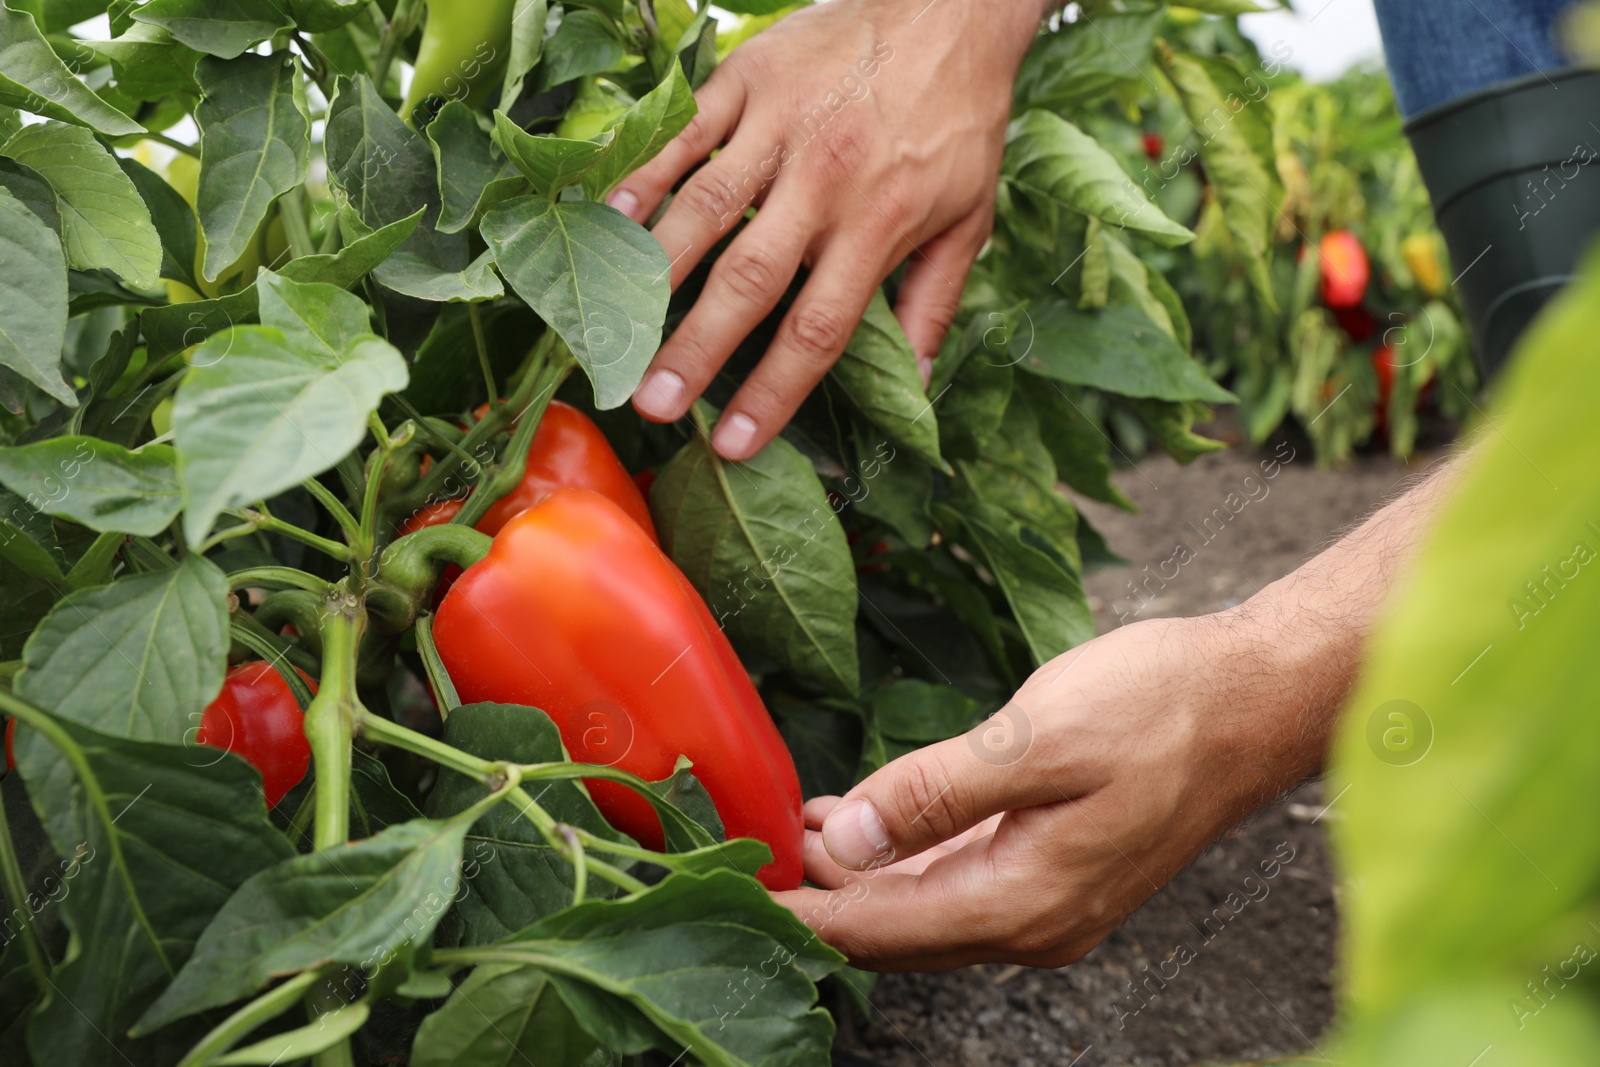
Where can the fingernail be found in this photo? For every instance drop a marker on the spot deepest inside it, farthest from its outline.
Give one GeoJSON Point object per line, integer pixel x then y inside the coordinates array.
{"type": "Point", "coordinates": [624, 202]}
{"type": "Point", "coordinates": [855, 836]}
{"type": "Point", "coordinates": [660, 395]}
{"type": "Point", "coordinates": [925, 368]}
{"type": "Point", "coordinates": [734, 436]}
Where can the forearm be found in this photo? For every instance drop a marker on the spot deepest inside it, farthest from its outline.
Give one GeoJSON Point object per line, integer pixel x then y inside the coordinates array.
{"type": "Point", "coordinates": [1293, 650]}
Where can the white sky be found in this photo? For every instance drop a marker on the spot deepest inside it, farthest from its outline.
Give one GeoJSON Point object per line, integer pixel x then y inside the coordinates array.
{"type": "Point", "coordinates": [1328, 36]}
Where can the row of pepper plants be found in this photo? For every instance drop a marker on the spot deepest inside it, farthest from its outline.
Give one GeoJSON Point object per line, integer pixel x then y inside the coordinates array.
{"type": "Point", "coordinates": [371, 668]}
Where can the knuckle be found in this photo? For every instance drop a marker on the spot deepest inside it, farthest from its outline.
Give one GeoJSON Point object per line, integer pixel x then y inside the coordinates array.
{"type": "Point", "coordinates": [842, 150]}
{"type": "Point", "coordinates": [714, 199]}
{"type": "Point", "coordinates": [752, 273]}
{"type": "Point", "coordinates": [927, 800]}
{"type": "Point", "coordinates": [698, 136]}
{"type": "Point", "coordinates": [817, 331]}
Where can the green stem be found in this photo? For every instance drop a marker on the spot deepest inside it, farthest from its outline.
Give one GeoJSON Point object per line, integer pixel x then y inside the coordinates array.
{"type": "Point", "coordinates": [384, 731]}
{"type": "Point", "coordinates": [275, 657]}
{"type": "Point", "coordinates": [444, 690]}
{"type": "Point", "coordinates": [427, 427]}
{"type": "Point", "coordinates": [253, 521]}
{"type": "Point", "coordinates": [377, 466]}
{"type": "Point", "coordinates": [297, 608]}
{"type": "Point", "coordinates": [483, 352]}
{"type": "Point", "coordinates": [395, 33]}
{"type": "Point", "coordinates": [331, 718]}
{"type": "Point", "coordinates": [17, 894]}
{"type": "Point", "coordinates": [550, 830]}
{"type": "Point", "coordinates": [279, 576]}
{"type": "Point", "coordinates": [295, 228]}
{"type": "Point", "coordinates": [230, 1031]}
{"type": "Point", "coordinates": [580, 864]}
{"type": "Point", "coordinates": [335, 507]}
{"type": "Point", "coordinates": [508, 473]}
{"type": "Point", "coordinates": [408, 569]}
{"type": "Point", "coordinates": [176, 146]}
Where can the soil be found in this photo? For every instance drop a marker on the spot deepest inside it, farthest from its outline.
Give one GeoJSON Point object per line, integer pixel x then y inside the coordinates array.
{"type": "Point", "coordinates": [1262, 985]}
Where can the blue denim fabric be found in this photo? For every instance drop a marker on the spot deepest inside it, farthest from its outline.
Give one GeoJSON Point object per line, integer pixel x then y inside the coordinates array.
{"type": "Point", "coordinates": [1438, 50]}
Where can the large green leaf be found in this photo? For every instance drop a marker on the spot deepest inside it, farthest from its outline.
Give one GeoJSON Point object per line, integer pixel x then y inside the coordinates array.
{"type": "Point", "coordinates": [257, 414]}
{"type": "Point", "coordinates": [159, 837]}
{"type": "Point", "coordinates": [974, 380]}
{"type": "Point", "coordinates": [33, 299]}
{"type": "Point", "coordinates": [361, 904]}
{"type": "Point", "coordinates": [1050, 157]}
{"type": "Point", "coordinates": [517, 877]}
{"type": "Point", "coordinates": [138, 658]}
{"type": "Point", "coordinates": [1469, 756]}
{"type": "Point", "coordinates": [528, 21]}
{"type": "Point", "coordinates": [1080, 447]}
{"type": "Point", "coordinates": [174, 221]}
{"type": "Point", "coordinates": [323, 16]}
{"type": "Point", "coordinates": [1118, 350]}
{"type": "Point", "coordinates": [878, 372]}
{"type": "Point", "coordinates": [255, 145]}
{"type": "Point", "coordinates": [1015, 473]}
{"type": "Point", "coordinates": [768, 526]}
{"type": "Point", "coordinates": [104, 223]}
{"type": "Point", "coordinates": [1233, 123]}
{"type": "Point", "coordinates": [474, 175]}
{"type": "Point", "coordinates": [314, 316]}
{"type": "Point", "coordinates": [149, 63]}
{"type": "Point", "coordinates": [584, 43]}
{"type": "Point", "coordinates": [1086, 58]}
{"type": "Point", "coordinates": [100, 485]}
{"type": "Point", "coordinates": [656, 970]}
{"type": "Point", "coordinates": [223, 28]}
{"type": "Point", "coordinates": [33, 78]}
{"type": "Point", "coordinates": [503, 1015]}
{"type": "Point", "coordinates": [28, 540]}
{"type": "Point", "coordinates": [594, 275]}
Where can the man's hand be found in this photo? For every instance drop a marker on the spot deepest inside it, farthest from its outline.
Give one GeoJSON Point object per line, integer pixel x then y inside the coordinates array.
{"type": "Point", "coordinates": [1030, 838]}
{"type": "Point", "coordinates": [866, 131]}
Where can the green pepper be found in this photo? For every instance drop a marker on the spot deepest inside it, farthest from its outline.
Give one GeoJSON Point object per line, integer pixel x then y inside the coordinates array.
{"type": "Point", "coordinates": [597, 107]}
{"type": "Point", "coordinates": [465, 47]}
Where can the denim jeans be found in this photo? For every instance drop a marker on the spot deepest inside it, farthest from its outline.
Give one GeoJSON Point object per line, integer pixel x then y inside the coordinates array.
{"type": "Point", "coordinates": [1438, 50]}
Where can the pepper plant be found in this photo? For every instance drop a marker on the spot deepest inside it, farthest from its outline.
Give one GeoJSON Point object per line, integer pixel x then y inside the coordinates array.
{"type": "Point", "coordinates": [265, 299]}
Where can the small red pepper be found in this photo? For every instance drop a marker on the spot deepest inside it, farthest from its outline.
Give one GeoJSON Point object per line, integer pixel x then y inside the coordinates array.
{"type": "Point", "coordinates": [256, 717]}
{"type": "Point", "coordinates": [1345, 270]}
{"type": "Point", "coordinates": [577, 612]}
{"type": "Point", "coordinates": [1153, 147]}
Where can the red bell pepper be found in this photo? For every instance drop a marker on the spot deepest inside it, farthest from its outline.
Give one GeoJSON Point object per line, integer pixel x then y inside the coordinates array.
{"type": "Point", "coordinates": [1346, 270]}
{"type": "Point", "coordinates": [257, 717]}
{"type": "Point", "coordinates": [568, 450]}
{"type": "Point", "coordinates": [576, 611]}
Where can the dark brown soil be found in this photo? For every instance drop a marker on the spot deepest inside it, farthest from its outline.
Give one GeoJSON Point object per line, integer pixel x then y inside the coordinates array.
{"type": "Point", "coordinates": [1262, 984]}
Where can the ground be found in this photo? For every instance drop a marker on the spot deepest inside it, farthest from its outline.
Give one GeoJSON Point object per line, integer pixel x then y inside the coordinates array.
{"type": "Point", "coordinates": [1263, 984]}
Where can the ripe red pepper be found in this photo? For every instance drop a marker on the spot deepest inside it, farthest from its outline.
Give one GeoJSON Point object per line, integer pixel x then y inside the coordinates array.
{"type": "Point", "coordinates": [1153, 147]}
{"type": "Point", "coordinates": [1345, 269]}
{"type": "Point", "coordinates": [576, 611]}
{"type": "Point", "coordinates": [256, 717]}
{"type": "Point", "coordinates": [568, 450]}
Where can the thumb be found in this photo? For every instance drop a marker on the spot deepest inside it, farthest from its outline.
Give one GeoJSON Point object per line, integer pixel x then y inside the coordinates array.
{"type": "Point", "coordinates": [929, 796]}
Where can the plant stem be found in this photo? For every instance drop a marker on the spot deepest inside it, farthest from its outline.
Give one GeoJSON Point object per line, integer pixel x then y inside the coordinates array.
{"type": "Point", "coordinates": [279, 576]}
{"type": "Point", "coordinates": [483, 352]}
{"type": "Point", "coordinates": [377, 466]}
{"type": "Point", "coordinates": [549, 829]}
{"type": "Point", "coordinates": [377, 728]}
{"type": "Point", "coordinates": [269, 1005]}
{"type": "Point", "coordinates": [17, 895]}
{"type": "Point", "coordinates": [580, 865]}
{"type": "Point", "coordinates": [542, 382]}
{"type": "Point", "coordinates": [253, 521]}
{"type": "Point", "coordinates": [394, 35]}
{"type": "Point", "coordinates": [408, 569]}
{"type": "Point", "coordinates": [444, 690]}
{"type": "Point", "coordinates": [176, 146]}
{"type": "Point", "coordinates": [276, 658]}
{"type": "Point", "coordinates": [293, 213]}
{"type": "Point", "coordinates": [341, 514]}
{"type": "Point", "coordinates": [331, 718]}
{"type": "Point", "coordinates": [427, 427]}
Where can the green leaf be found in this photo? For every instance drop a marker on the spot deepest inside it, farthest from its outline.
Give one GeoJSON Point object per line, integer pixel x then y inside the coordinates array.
{"type": "Point", "coordinates": [362, 904]}
{"type": "Point", "coordinates": [255, 146]}
{"type": "Point", "coordinates": [178, 326]}
{"type": "Point", "coordinates": [160, 836]}
{"type": "Point", "coordinates": [552, 163]}
{"type": "Point", "coordinates": [330, 1028]}
{"type": "Point", "coordinates": [1080, 448]}
{"type": "Point", "coordinates": [148, 63]}
{"type": "Point", "coordinates": [314, 316]}
{"type": "Point", "coordinates": [921, 712]}
{"type": "Point", "coordinates": [974, 382]}
{"type": "Point", "coordinates": [222, 28]}
{"type": "Point", "coordinates": [256, 415]}
{"type": "Point", "coordinates": [138, 658]}
{"type": "Point", "coordinates": [515, 877]}
{"type": "Point", "coordinates": [33, 299]}
{"type": "Point", "coordinates": [1468, 755]}
{"type": "Point", "coordinates": [653, 971]}
{"type": "Point", "coordinates": [324, 16]}
{"type": "Point", "coordinates": [1172, 424]}
{"type": "Point", "coordinates": [768, 518]}
{"type": "Point", "coordinates": [503, 1015]}
{"type": "Point", "coordinates": [97, 484]}
{"type": "Point", "coordinates": [28, 540]}
{"type": "Point", "coordinates": [582, 44]}
{"type": "Point", "coordinates": [474, 175]}
{"type": "Point", "coordinates": [1086, 59]}
{"type": "Point", "coordinates": [1135, 283]}
{"type": "Point", "coordinates": [1050, 157]}
{"type": "Point", "coordinates": [1118, 350]}
{"type": "Point", "coordinates": [104, 222]}
{"type": "Point", "coordinates": [1046, 598]}
{"type": "Point", "coordinates": [33, 78]}
{"type": "Point", "coordinates": [594, 275]}
{"type": "Point", "coordinates": [1233, 119]}
{"type": "Point", "coordinates": [878, 372]}
{"type": "Point", "coordinates": [528, 21]}
{"type": "Point", "coordinates": [1015, 473]}
{"type": "Point", "coordinates": [29, 187]}
{"type": "Point", "coordinates": [174, 221]}
{"type": "Point", "coordinates": [897, 493]}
